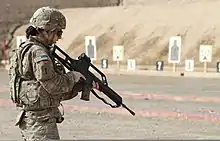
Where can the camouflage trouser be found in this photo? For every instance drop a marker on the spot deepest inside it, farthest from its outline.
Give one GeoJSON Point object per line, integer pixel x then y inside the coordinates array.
{"type": "Point", "coordinates": [35, 128]}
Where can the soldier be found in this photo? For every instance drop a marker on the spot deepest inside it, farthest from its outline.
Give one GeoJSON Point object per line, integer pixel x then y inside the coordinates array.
{"type": "Point", "coordinates": [43, 83]}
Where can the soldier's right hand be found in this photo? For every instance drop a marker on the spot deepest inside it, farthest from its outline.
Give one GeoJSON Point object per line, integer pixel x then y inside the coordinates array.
{"type": "Point", "coordinates": [79, 76]}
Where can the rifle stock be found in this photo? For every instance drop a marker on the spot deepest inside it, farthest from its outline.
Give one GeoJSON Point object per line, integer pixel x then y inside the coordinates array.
{"type": "Point", "coordinates": [82, 65]}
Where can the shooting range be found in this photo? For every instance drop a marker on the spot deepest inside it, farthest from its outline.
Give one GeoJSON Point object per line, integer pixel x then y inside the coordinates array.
{"type": "Point", "coordinates": [118, 54]}
{"type": "Point", "coordinates": [174, 51]}
{"type": "Point", "coordinates": [19, 40]}
{"type": "Point", "coordinates": [205, 55]}
{"type": "Point", "coordinates": [189, 65]}
{"type": "Point", "coordinates": [131, 65]}
{"type": "Point", "coordinates": [90, 47]}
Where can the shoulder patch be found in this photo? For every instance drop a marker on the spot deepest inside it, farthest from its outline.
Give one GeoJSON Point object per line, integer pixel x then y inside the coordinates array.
{"type": "Point", "coordinates": [42, 58]}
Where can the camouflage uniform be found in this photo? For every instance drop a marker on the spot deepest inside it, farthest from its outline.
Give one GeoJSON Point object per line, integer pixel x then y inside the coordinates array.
{"type": "Point", "coordinates": [44, 83]}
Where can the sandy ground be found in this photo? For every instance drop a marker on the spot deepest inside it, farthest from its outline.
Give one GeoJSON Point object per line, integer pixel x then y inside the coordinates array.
{"type": "Point", "coordinates": [155, 118]}
{"type": "Point", "coordinates": [90, 125]}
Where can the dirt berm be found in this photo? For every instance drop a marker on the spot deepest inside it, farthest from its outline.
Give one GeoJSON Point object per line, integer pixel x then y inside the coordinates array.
{"type": "Point", "coordinates": [144, 29]}
{"type": "Point", "coordinates": [15, 13]}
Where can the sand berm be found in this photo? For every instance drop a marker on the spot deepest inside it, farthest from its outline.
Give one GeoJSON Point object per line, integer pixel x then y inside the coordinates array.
{"type": "Point", "coordinates": [144, 29]}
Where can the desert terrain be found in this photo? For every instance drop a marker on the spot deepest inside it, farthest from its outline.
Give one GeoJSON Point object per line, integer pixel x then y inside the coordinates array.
{"type": "Point", "coordinates": [16, 13]}
{"type": "Point", "coordinates": [166, 107]}
{"type": "Point", "coordinates": [144, 29]}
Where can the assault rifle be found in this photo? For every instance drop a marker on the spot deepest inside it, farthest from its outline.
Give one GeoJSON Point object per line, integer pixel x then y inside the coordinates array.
{"type": "Point", "coordinates": [82, 65]}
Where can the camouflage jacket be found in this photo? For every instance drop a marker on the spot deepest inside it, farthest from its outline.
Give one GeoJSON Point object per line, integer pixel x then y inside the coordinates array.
{"type": "Point", "coordinates": [45, 83]}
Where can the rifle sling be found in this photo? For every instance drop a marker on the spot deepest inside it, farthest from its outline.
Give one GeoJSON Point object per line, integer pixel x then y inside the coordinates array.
{"type": "Point", "coordinates": [103, 100]}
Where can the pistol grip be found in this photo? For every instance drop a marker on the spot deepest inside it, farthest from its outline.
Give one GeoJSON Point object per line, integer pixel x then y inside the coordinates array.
{"type": "Point", "coordinates": [86, 92]}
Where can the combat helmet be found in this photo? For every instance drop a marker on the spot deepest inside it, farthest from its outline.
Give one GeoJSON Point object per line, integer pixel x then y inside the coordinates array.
{"type": "Point", "coordinates": [48, 19]}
